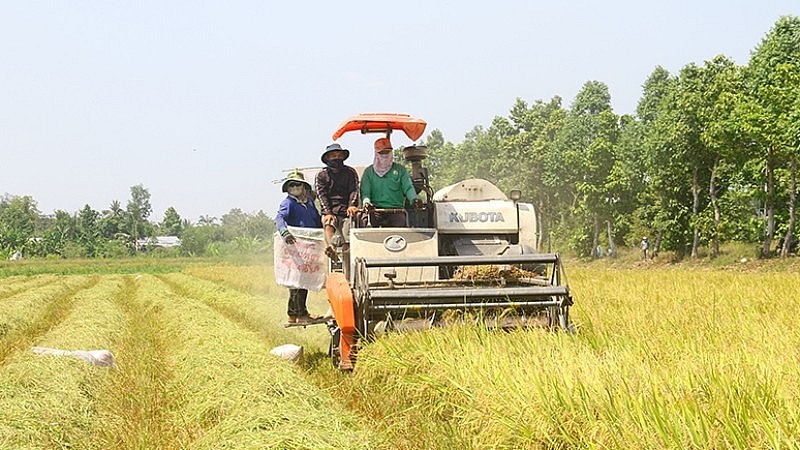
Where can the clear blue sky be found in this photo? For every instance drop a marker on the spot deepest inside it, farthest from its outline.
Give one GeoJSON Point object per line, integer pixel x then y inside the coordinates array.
{"type": "Point", "coordinates": [205, 102]}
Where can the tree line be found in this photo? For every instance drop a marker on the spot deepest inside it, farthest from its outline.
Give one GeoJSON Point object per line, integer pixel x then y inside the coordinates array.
{"type": "Point", "coordinates": [118, 231]}
{"type": "Point", "coordinates": [710, 156]}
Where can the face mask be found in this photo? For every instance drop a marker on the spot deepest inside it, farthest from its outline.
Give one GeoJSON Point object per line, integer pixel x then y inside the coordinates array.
{"type": "Point", "coordinates": [335, 163]}
{"type": "Point", "coordinates": [297, 191]}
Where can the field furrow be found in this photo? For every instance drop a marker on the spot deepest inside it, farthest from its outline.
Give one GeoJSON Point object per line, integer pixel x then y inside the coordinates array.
{"type": "Point", "coordinates": [14, 285]}
{"type": "Point", "coordinates": [260, 314]}
{"type": "Point", "coordinates": [134, 407]}
{"type": "Point", "coordinates": [231, 390]}
{"type": "Point", "coordinates": [29, 314]}
{"type": "Point", "coordinates": [49, 401]}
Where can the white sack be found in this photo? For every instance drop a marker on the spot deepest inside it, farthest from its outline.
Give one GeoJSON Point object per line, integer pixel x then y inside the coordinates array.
{"type": "Point", "coordinates": [288, 351]}
{"type": "Point", "coordinates": [303, 264]}
{"type": "Point", "coordinates": [102, 357]}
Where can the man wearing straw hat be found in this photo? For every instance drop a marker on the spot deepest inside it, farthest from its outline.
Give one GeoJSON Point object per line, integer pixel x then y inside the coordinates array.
{"type": "Point", "coordinates": [297, 210]}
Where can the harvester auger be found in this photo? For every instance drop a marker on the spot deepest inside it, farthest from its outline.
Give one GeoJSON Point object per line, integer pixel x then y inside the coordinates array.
{"type": "Point", "coordinates": [469, 253]}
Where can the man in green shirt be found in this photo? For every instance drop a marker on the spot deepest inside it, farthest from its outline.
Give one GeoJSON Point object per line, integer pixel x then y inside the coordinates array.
{"type": "Point", "coordinates": [385, 185]}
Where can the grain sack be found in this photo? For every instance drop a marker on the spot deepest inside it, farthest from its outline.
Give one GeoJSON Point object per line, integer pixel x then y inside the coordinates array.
{"type": "Point", "coordinates": [102, 357]}
{"type": "Point", "coordinates": [302, 264]}
{"type": "Point", "coordinates": [291, 352]}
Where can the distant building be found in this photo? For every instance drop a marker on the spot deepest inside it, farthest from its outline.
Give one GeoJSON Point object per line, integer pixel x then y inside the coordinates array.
{"type": "Point", "coordinates": [158, 241]}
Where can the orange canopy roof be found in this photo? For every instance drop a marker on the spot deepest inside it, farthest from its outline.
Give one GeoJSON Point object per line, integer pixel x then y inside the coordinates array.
{"type": "Point", "coordinates": [378, 122]}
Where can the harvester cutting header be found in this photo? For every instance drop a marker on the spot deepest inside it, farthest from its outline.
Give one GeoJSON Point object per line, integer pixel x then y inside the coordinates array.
{"type": "Point", "coordinates": [465, 252]}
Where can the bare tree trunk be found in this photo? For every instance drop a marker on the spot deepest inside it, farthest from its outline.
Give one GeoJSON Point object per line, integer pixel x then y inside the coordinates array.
{"type": "Point", "coordinates": [540, 232]}
{"type": "Point", "coordinates": [657, 248]}
{"type": "Point", "coordinates": [769, 205]}
{"type": "Point", "coordinates": [695, 212]}
{"type": "Point", "coordinates": [612, 248]}
{"type": "Point", "coordinates": [787, 241]}
{"type": "Point", "coordinates": [596, 236]}
{"type": "Point", "coordinates": [712, 193]}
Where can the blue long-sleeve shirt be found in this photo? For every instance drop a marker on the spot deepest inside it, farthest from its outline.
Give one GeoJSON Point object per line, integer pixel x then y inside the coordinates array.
{"type": "Point", "coordinates": [292, 212]}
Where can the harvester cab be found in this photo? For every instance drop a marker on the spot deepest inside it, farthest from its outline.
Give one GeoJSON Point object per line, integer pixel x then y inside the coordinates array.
{"type": "Point", "coordinates": [469, 252]}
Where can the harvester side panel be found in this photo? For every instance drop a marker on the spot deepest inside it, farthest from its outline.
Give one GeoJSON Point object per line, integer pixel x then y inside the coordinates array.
{"type": "Point", "coordinates": [528, 226]}
{"type": "Point", "coordinates": [480, 217]}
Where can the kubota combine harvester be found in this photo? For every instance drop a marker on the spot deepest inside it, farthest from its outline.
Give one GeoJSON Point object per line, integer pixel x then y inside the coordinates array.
{"type": "Point", "coordinates": [469, 253]}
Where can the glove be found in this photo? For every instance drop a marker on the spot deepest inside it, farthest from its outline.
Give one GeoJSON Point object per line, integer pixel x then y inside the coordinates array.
{"type": "Point", "coordinates": [288, 238]}
{"type": "Point", "coordinates": [369, 206]}
{"type": "Point", "coordinates": [352, 210]}
{"type": "Point", "coordinates": [417, 203]}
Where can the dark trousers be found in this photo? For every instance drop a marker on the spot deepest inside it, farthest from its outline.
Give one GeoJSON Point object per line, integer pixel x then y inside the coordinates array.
{"type": "Point", "coordinates": [297, 302]}
{"type": "Point", "coordinates": [388, 219]}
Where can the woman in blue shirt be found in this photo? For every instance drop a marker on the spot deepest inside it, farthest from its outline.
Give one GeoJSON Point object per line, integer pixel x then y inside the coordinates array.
{"type": "Point", "coordinates": [297, 210]}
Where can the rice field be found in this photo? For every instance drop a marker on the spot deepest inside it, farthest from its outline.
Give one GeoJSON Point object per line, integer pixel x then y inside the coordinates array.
{"type": "Point", "coordinates": [663, 358]}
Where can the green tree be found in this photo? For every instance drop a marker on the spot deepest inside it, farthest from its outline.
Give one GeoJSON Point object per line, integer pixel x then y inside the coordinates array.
{"type": "Point", "coordinates": [171, 225]}
{"type": "Point", "coordinates": [207, 220]}
{"type": "Point", "coordinates": [113, 220]}
{"type": "Point", "coordinates": [626, 182]}
{"type": "Point", "coordinates": [234, 224]}
{"type": "Point", "coordinates": [657, 86]}
{"type": "Point", "coordinates": [473, 157]}
{"type": "Point", "coordinates": [252, 227]}
{"type": "Point", "coordinates": [138, 210]}
{"type": "Point", "coordinates": [18, 218]}
{"type": "Point", "coordinates": [199, 240]}
{"type": "Point", "coordinates": [768, 115]}
{"type": "Point", "coordinates": [62, 230]}
{"type": "Point", "coordinates": [88, 230]}
{"type": "Point", "coordinates": [650, 215]}
{"type": "Point", "coordinates": [580, 165]}
{"type": "Point", "coordinates": [592, 99]}
{"type": "Point", "coordinates": [440, 157]}
{"type": "Point", "coordinates": [698, 159]}
{"type": "Point", "coordinates": [724, 81]}
{"type": "Point", "coordinates": [707, 102]}
{"type": "Point", "coordinates": [663, 204]}
{"type": "Point", "coordinates": [522, 155]}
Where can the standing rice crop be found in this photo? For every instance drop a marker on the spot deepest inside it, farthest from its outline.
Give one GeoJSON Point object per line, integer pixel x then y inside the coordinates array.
{"type": "Point", "coordinates": [668, 359]}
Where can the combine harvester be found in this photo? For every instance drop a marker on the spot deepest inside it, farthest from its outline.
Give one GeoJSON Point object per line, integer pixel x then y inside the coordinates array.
{"type": "Point", "coordinates": [470, 253]}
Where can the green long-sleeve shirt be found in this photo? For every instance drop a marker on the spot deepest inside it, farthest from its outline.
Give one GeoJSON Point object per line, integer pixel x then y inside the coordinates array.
{"type": "Point", "coordinates": [387, 191]}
